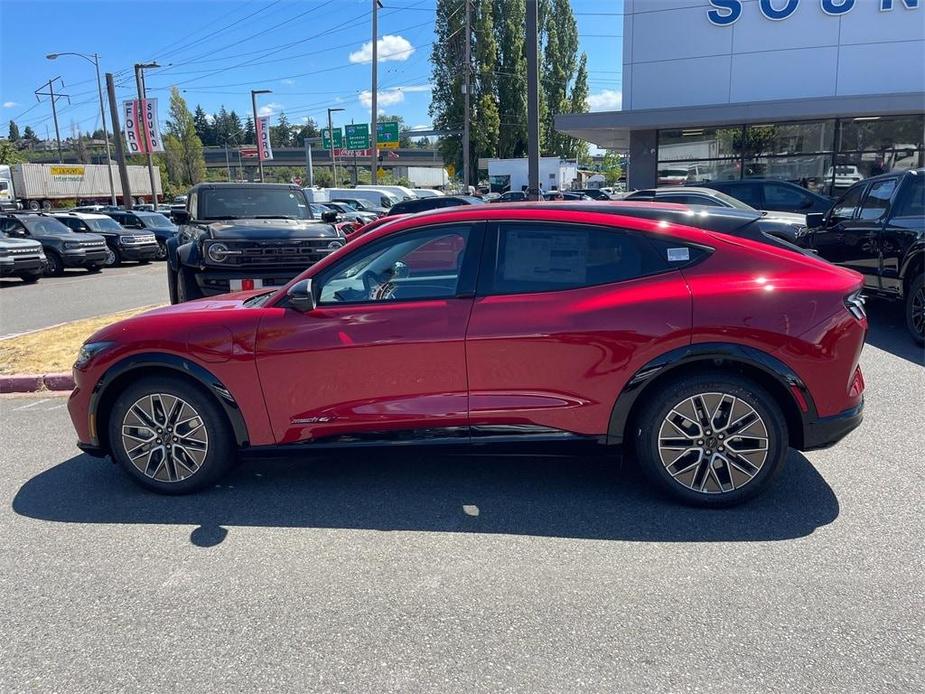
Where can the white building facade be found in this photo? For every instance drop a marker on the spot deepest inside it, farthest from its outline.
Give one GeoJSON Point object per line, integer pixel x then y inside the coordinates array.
{"type": "Point", "coordinates": [788, 89]}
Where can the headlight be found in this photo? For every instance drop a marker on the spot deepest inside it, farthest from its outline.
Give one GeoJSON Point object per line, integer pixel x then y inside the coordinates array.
{"type": "Point", "coordinates": [88, 350]}
{"type": "Point", "coordinates": [219, 252]}
{"type": "Point", "coordinates": [334, 245]}
{"type": "Point", "coordinates": [72, 244]}
{"type": "Point", "coordinates": [126, 240]}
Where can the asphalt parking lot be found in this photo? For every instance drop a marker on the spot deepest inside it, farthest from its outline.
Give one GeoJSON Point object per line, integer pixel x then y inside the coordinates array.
{"type": "Point", "coordinates": [427, 571]}
{"type": "Point", "coordinates": [77, 294]}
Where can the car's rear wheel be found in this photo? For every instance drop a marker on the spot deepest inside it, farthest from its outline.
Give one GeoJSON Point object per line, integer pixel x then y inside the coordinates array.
{"type": "Point", "coordinates": [187, 289]}
{"type": "Point", "coordinates": [170, 435]}
{"type": "Point", "coordinates": [711, 440]}
{"type": "Point", "coordinates": [915, 309]}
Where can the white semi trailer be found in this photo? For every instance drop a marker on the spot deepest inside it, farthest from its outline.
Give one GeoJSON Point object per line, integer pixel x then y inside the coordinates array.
{"type": "Point", "coordinates": [38, 186]}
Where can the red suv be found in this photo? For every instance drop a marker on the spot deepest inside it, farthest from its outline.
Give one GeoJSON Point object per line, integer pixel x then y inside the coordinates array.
{"type": "Point", "coordinates": [671, 331]}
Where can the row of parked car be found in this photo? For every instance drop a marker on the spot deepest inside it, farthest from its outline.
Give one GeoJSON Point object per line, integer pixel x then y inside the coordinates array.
{"type": "Point", "coordinates": [33, 244]}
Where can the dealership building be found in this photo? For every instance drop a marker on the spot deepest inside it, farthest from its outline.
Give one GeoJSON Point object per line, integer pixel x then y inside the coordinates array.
{"type": "Point", "coordinates": [810, 91]}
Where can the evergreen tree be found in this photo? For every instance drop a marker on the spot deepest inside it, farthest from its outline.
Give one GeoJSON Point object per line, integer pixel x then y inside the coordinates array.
{"type": "Point", "coordinates": [310, 129]}
{"type": "Point", "coordinates": [14, 132]}
{"type": "Point", "coordinates": [487, 119]}
{"type": "Point", "coordinates": [559, 62]}
{"type": "Point", "coordinates": [578, 103]}
{"type": "Point", "coordinates": [281, 133]}
{"type": "Point", "coordinates": [220, 126]}
{"type": "Point", "coordinates": [447, 56]}
{"type": "Point", "coordinates": [235, 129]}
{"type": "Point", "coordinates": [512, 77]}
{"type": "Point", "coordinates": [185, 162]}
{"type": "Point", "coordinates": [203, 127]}
{"type": "Point", "coordinates": [250, 135]}
{"type": "Point", "coordinates": [28, 135]}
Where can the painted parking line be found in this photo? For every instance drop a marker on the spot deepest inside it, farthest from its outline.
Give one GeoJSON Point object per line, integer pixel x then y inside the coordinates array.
{"type": "Point", "coordinates": [31, 404]}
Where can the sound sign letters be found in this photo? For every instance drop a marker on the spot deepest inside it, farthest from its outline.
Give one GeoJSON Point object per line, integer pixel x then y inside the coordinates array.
{"type": "Point", "coordinates": [726, 12]}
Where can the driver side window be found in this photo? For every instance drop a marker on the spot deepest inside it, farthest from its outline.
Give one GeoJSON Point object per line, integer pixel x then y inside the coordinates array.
{"type": "Point", "coordinates": [417, 265]}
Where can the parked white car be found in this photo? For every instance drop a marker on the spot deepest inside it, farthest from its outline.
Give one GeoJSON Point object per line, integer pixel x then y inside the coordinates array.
{"type": "Point", "coordinates": [843, 176]}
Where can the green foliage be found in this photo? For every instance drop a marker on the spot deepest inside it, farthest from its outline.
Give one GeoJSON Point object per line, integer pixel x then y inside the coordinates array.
{"type": "Point", "coordinates": [281, 133]}
{"type": "Point", "coordinates": [250, 135]}
{"type": "Point", "coordinates": [14, 132]}
{"type": "Point", "coordinates": [9, 154]}
{"type": "Point", "coordinates": [611, 168]}
{"type": "Point", "coordinates": [185, 162]}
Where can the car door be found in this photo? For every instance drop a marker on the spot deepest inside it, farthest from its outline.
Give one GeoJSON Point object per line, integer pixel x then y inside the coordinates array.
{"type": "Point", "coordinates": [838, 240]}
{"type": "Point", "coordinates": [564, 315]}
{"type": "Point", "coordinates": [904, 229]}
{"type": "Point", "coordinates": [779, 197]}
{"type": "Point", "coordinates": [382, 355]}
{"type": "Point", "coordinates": [862, 232]}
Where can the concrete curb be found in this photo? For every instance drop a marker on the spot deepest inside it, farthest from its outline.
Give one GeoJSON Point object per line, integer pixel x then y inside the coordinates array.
{"type": "Point", "coordinates": [31, 383]}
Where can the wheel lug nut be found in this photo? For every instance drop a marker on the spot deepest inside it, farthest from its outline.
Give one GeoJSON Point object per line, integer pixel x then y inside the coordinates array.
{"type": "Point", "coordinates": [699, 442]}
{"type": "Point", "coordinates": [708, 451]}
{"type": "Point", "coordinates": [720, 448]}
{"type": "Point", "coordinates": [707, 432]}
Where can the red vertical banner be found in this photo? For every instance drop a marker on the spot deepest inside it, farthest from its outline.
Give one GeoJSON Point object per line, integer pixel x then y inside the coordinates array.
{"type": "Point", "coordinates": [263, 138]}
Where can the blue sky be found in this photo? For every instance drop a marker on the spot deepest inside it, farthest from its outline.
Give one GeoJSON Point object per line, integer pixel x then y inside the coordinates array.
{"type": "Point", "coordinates": [313, 54]}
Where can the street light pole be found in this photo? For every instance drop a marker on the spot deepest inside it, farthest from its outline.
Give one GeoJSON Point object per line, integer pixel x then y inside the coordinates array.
{"type": "Point", "coordinates": [254, 93]}
{"type": "Point", "coordinates": [140, 84]}
{"type": "Point", "coordinates": [533, 103]}
{"type": "Point", "coordinates": [99, 86]}
{"type": "Point", "coordinates": [333, 156]}
{"type": "Point", "coordinates": [374, 118]}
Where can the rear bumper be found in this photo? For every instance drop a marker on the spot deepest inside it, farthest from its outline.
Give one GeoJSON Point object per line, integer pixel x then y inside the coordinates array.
{"type": "Point", "coordinates": [823, 432]}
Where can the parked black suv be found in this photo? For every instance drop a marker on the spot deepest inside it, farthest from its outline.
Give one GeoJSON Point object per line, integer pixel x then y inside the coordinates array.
{"type": "Point", "coordinates": [152, 222]}
{"type": "Point", "coordinates": [123, 244]}
{"type": "Point", "coordinates": [23, 258]}
{"type": "Point", "coordinates": [236, 236]}
{"type": "Point", "coordinates": [63, 248]}
{"type": "Point", "coordinates": [878, 228]}
{"type": "Point", "coordinates": [771, 194]}
{"type": "Point", "coordinates": [436, 202]}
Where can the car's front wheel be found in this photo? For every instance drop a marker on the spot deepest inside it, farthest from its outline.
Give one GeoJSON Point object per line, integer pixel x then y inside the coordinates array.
{"type": "Point", "coordinates": [113, 258]}
{"type": "Point", "coordinates": [55, 266]}
{"type": "Point", "coordinates": [170, 435]}
{"type": "Point", "coordinates": [915, 309]}
{"type": "Point", "coordinates": [30, 277]}
{"type": "Point", "coordinates": [161, 253]}
{"type": "Point", "coordinates": [712, 439]}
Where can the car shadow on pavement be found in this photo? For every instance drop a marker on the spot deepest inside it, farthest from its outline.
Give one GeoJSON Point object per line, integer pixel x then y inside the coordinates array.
{"type": "Point", "coordinates": [888, 331]}
{"type": "Point", "coordinates": [568, 496]}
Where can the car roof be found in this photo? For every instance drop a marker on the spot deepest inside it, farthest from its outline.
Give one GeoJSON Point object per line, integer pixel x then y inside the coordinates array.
{"type": "Point", "coordinates": [225, 184]}
{"type": "Point", "coordinates": [81, 215]}
{"type": "Point", "coordinates": [678, 189]}
{"type": "Point", "coordinates": [893, 174]}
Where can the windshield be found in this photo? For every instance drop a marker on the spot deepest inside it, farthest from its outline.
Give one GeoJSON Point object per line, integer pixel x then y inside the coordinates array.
{"type": "Point", "coordinates": [44, 225]}
{"type": "Point", "coordinates": [320, 209]}
{"type": "Point", "coordinates": [731, 201]}
{"type": "Point", "coordinates": [106, 224]}
{"type": "Point", "coordinates": [253, 203]}
{"type": "Point", "coordinates": [155, 221]}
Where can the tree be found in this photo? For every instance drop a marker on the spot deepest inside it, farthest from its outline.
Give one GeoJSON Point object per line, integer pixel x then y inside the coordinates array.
{"type": "Point", "coordinates": [185, 162]}
{"type": "Point", "coordinates": [14, 132]}
{"type": "Point", "coordinates": [309, 129]}
{"type": "Point", "coordinates": [611, 167]}
{"type": "Point", "coordinates": [235, 129]}
{"type": "Point", "coordinates": [281, 133]}
{"type": "Point", "coordinates": [578, 103]}
{"type": "Point", "coordinates": [250, 135]}
{"type": "Point", "coordinates": [487, 120]}
{"type": "Point", "coordinates": [9, 154]}
{"type": "Point", "coordinates": [29, 137]}
{"type": "Point", "coordinates": [512, 73]}
{"type": "Point", "coordinates": [447, 57]}
{"type": "Point", "coordinates": [203, 127]}
{"type": "Point", "coordinates": [559, 62]}
{"type": "Point", "coordinates": [82, 155]}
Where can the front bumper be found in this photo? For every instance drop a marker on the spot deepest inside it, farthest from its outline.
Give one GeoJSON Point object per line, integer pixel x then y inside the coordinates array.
{"type": "Point", "coordinates": [823, 432]}
{"type": "Point", "coordinates": [18, 266]}
{"type": "Point", "coordinates": [82, 258]}
{"type": "Point", "coordinates": [147, 251]}
{"type": "Point", "coordinates": [214, 282]}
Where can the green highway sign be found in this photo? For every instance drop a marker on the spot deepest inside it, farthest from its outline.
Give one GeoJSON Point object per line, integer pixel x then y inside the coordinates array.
{"type": "Point", "coordinates": [387, 135]}
{"type": "Point", "coordinates": [338, 139]}
{"type": "Point", "coordinates": [357, 136]}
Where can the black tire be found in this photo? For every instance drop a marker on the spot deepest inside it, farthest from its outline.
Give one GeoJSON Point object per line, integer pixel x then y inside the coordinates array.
{"type": "Point", "coordinates": [693, 477]}
{"type": "Point", "coordinates": [161, 251]}
{"type": "Point", "coordinates": [46, 205]}
{"type": "Point", "coordinates": [113, 258]}
{"type": "Point", "coordinates": [915, 309]}
{"type": "Point", "coordinates": [34, 205]}
{"type": "Point", "coordinates": [187, 289]}
{"type": "Point", "coordinates": [30, 278]}
{"type": "Point", "coordinates": [55, 266]}
{"type": "Point", "coordinates": [172, 286]}
{"type": "Point", "coordinates": [93, 269]}
{"type": "Point", "coordinates": [144, 262]}
{"type": "Point", "coordinates": [164, 474]}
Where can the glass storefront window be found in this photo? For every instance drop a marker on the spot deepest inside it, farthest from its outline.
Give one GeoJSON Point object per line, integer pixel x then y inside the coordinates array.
{"type": "Point", "coordinates": [882, 134]}
{"type": "Point", "coordinates": [698, 143]}
{"type": "Point", "coordinates": [808, 171]}
{"type": "Point", "coordinates": [776, 139]}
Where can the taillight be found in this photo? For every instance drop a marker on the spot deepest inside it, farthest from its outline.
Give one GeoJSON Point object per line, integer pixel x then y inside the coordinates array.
{"type": "Point", "coordinates": [857, 383]}
{"type": "Point", "coordinates": [854, 302]}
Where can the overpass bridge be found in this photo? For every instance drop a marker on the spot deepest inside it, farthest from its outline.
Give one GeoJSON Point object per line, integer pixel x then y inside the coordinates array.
{"type": "Point", "coordinates": [321, 158]}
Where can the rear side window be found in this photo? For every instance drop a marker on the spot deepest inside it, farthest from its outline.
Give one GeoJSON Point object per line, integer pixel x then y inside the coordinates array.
{"type": "Point", "coordinates": [688, 199]}
{"type": "Point", "coordinates": [776, 195]}
{"type": "Point", "coordinates": [878, 199]}
{"type": "Point", "coordinates": [911, 201]}
{"type": "Point", "coordinates": [749, 193]}
{"type": "Point", "coordinates": [538, 257]}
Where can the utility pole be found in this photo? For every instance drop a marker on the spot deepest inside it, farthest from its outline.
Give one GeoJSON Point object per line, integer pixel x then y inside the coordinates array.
{"type": "Point", "coordinates": [309, 168]}
{"type": "Point", "coordinates": [227, 161]}
{"type": "Point", "coordinates": [140, 84]}
{"type": "Point", "coordinates": [533, 104]}
{"type": "Point", "coordinates": [254, 93]}
{"type": "Point", "coordinates": [117, 137]}
{"type": "Point", "coordinates": [465, 143]}
{"type": "Point", "coordinates": [374, 117]}
{"type": "Point", "coordinates": [50, 84]}
{"type": "Point", "coordinates": [331, 141]}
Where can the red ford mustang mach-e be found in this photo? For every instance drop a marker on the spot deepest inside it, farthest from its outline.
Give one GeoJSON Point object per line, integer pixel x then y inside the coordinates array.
{"type": "Point", "coordinates": [667, 329]}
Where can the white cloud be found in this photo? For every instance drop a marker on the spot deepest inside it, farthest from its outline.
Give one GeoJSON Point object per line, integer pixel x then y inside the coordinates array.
{"type": "Point", "coordinates": [269, 109]}
{"type": "Point", "coordinates": [606, 100]}
{"type": "Point", "coordinates": [287, 81]}
{"type": "Point", "coordinates": [9, 104]}
{"type": "Point", "coordinates": [390, 47]}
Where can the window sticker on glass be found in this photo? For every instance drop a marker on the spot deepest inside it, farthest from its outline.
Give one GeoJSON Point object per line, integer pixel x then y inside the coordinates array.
{"type": "Point", "coordinates": [679, 255]}
{"type": "Point", "coordinates": [536, 256]}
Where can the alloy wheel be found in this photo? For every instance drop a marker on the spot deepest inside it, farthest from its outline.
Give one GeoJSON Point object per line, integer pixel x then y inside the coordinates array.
{"type": "Point", "coordinates": [918, 311]}
{"type": "Point", "coordinates": [164, 437]}
{"type": "Point", "coordinates": [713, 443]}
{"type": "Point", "coordinates": [110, 258]}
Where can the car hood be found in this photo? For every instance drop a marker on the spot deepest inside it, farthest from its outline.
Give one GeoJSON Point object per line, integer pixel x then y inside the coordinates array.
{"type": "Point", "coordinates": [788, 217]}
{"type": "Point", "coordinates": [256, 229]}
{"type": "Point", "coordinates": [19, 244]}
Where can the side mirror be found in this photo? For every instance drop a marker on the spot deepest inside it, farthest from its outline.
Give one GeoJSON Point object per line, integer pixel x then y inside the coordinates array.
{"type": "Point", "coordinates": [181, 216]}
{"type": "Point", "coordinates": [815, 219]}
{"type": "Point", "coordinates": [301, 297]}
{"type": "Point", "coordinates": [329, 217]}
